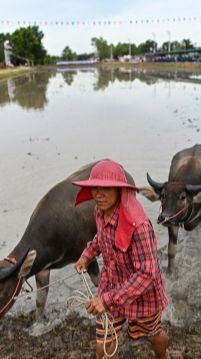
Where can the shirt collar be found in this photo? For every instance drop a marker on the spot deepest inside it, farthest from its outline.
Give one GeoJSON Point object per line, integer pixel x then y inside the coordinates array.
{"type": "Point", "coordinates": [113, 218]}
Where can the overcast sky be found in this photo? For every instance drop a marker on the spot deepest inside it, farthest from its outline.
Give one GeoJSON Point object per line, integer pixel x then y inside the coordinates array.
{"type": "Point", "coordinates": [151, 16]}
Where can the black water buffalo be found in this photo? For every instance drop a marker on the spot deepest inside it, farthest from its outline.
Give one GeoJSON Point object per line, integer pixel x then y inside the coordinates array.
{"type": "Point", "coordinates": [55, 236]}
{"type": "Point", "coordinates": [180, 196]}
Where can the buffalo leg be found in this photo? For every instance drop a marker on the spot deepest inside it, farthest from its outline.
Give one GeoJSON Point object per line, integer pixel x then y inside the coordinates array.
{"type": "Point", "coordinates": [94, 272]}
{"type": "Point", "coordinates": [42, 279]}
{"type": "Point", "coordinates": [172, 247]}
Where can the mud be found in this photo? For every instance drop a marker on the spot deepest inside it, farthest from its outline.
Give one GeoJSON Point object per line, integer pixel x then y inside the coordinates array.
{"type": "Point", "coordinates": [74, 338]}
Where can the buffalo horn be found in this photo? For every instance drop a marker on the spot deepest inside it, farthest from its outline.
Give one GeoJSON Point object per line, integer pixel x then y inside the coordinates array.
{"type": "Point", "coordinates": [156, 185]}
{"type": "Point", "coordinates": [193, 188]}
{"type": "Point", "coordinates": [7, 272]}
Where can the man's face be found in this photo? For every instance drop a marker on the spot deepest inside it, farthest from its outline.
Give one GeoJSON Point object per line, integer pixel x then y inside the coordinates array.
{"type": "Point", "coordinates": [106, 198]}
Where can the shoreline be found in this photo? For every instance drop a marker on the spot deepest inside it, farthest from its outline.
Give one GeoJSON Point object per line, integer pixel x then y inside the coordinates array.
{"type": "Point", "coordinates": [142, 66]}
{"type": "Point", "coordinates": [14, 72]}
{"type": "Point", "coordinates": [173, 66]}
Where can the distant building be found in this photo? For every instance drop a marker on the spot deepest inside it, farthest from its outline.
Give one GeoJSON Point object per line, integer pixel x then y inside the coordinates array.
{"type": "Point", "coordinates": [125, 58]}
{"type": "Point", "coordinates": [132, 59]}
{"type": "Point", "coordinates": [191, 55]}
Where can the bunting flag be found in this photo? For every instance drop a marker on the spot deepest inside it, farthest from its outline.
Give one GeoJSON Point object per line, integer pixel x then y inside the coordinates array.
{"type": "Point", "coordinates": [101, 22]}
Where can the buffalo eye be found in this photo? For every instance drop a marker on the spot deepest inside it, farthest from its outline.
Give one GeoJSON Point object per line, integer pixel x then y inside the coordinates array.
{"type": "Point", "coordinates": [162, 196]}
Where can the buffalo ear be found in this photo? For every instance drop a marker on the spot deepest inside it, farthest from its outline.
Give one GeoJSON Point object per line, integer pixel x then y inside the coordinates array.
{"type": "Point", "coordinates": [197, 198]}
{"type": "Point", "coordinates": [27, 264]}
{"type": "Point", "coordinates": [149, 193]}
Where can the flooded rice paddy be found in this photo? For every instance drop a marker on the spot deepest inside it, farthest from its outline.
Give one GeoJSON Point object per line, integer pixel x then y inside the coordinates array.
{"type": "Point", "coordinates": [54, 121]}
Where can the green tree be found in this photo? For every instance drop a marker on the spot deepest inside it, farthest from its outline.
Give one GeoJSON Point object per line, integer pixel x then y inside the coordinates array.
{"type": "Point", "coordinates": [164, 46]}
{"type": "Point", "coordinates": [102, 48]}
{"type": "Point", "coordinates": [68, 54]}
{"type": "Point", "coordinates": [187, 44]}
{"type": "Point", "coordinates": [121, 49]}
{"type": "Point", "coordinates": [27, 43]}
{"type": "Point", "coordinates": [50, 60]}
{"type": "Point", "coordinates": [175, 45]}
{"type": "Point", "coordinates": [148, 46]}
{"type": "Point", "coordinates": [85, 56]}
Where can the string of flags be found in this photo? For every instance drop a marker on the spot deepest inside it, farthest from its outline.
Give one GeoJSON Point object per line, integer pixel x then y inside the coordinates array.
{"type": "Point", "coordinates": [101, 22]}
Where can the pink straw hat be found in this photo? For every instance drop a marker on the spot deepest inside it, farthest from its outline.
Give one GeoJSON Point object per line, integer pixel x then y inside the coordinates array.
{"type": "Point", "coordinates": [106, 173]}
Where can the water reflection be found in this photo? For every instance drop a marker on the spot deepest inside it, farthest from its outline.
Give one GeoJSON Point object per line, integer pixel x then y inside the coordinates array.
{"type": "Point", "coordinates": [28, 91]}
{"type": "Point", "coordinates": [77, 116]}
{"type": "Point", "coordinates": [105, 77]}
{"type": "Point", "coordinates": [69, 76]}
{"type": "Point", "coordinates": [6, 94]}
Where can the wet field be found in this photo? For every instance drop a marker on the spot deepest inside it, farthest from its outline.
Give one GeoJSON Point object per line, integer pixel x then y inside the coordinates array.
{"type": "Point", "coordinates": [54, 121]}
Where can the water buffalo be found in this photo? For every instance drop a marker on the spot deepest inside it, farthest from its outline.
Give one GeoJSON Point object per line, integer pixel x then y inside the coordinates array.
{"type": "Point", "coordinates": [55, 236]}
{"type": "Point", "coordinates": [180, 196]}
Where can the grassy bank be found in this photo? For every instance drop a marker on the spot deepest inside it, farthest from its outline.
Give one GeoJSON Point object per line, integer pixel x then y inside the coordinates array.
{"type": "Point", "coordinates": [8, 73]}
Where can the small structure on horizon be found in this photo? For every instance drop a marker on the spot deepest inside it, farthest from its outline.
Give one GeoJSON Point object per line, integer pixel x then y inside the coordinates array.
{"type": "Point", "coordinates": [8, 50]}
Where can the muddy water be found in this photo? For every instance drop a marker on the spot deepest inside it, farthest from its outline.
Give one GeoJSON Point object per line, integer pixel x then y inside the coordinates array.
{"type": "Point", "coordinates": [52, 122]}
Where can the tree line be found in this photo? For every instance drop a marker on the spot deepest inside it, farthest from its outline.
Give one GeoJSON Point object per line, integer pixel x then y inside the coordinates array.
{"type": "Point", "coordinates": [28, 43]}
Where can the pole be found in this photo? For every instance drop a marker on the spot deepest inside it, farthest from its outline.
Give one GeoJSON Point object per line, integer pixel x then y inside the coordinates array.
{"type": "Point", "coordinates": [129, 48]}
{"type": "Point", "coordinates": [111, 52]}
{"type": "Point", "coordinates": [154, 40]}
{"type": "Point", "coordinates": [169, 40]}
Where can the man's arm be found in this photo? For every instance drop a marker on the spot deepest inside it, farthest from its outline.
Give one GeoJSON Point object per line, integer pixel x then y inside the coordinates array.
{"type": "Point", "coordinates": [88, 255]}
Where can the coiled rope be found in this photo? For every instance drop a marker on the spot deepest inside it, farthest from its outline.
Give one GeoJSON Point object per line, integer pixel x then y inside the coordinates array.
{"type": "Point", "coordinates": [82, 298]}
{"type": "Point", "coordinates": [106, 322]}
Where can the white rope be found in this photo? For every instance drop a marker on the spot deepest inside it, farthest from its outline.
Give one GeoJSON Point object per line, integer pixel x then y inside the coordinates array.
{"type": "Point", "coordinates": [107, 324]}
{"type": "Point", "coordinates": [174, 215]}
{"type": "Point", "coordinates": [44, 287]}
{"type": "Point", "coordinates": [82, 298]}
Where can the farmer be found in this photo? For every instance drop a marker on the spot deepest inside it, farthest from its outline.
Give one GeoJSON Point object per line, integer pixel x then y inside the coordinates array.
{"type": "Point", "coordinates": [131, 288]}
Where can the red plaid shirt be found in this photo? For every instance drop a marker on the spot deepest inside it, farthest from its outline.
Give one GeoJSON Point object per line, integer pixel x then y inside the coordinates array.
{"type": "Point", "coordinates": [131, 284]}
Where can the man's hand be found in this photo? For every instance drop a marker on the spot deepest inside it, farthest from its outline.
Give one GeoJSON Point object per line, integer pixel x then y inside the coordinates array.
{"type": "Point", "coordinates": [95, 306]}
{"type": "Point", "coordinates": [81, 265]}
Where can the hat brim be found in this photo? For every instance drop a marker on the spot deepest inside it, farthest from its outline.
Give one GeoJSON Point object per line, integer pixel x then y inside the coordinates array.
{"type": "Point", "coordinates": [103, 183]}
